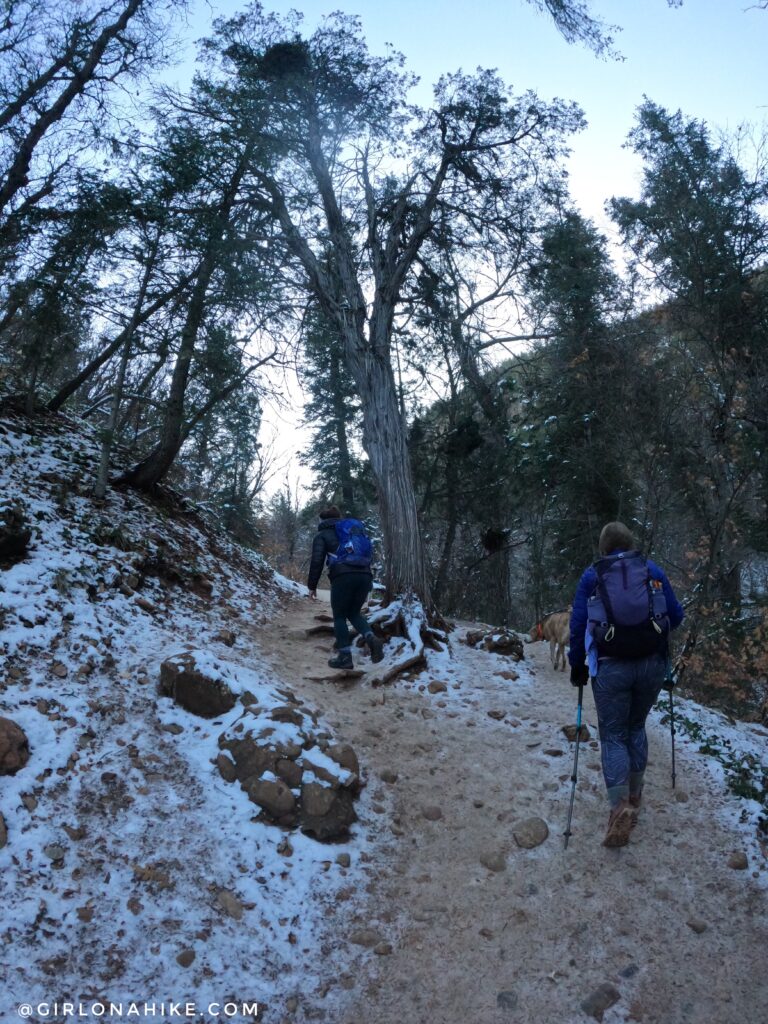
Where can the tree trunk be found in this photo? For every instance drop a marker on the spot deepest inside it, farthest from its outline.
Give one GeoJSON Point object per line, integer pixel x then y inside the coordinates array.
{"type": "Point", "coordinates": [384, 439]}
{"type": "Point", "coordinates": [151, 470]}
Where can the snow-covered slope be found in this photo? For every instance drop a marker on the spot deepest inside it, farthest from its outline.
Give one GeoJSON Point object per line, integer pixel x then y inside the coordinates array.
{"type": "Point", "coordinates": [132, 871]}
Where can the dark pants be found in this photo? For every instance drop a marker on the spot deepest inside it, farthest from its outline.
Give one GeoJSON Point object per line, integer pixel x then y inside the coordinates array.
{"type": "Point", "coordinates": [625, 692]}
{"type": "Point", "coordinates": [348, 595]}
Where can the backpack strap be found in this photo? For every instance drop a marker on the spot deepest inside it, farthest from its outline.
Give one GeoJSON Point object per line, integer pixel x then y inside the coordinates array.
{"type": "Point", "coordinates": [600, 570]}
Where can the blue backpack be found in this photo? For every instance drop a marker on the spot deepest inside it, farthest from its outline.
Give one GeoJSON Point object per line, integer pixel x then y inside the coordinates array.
{"type": "Point", "coordinates": [354, 547]}
{"type": "Point", "coordinates": [627, 614]}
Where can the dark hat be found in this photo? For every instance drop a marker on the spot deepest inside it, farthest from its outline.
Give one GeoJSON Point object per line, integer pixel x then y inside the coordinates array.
{"type": "Point", "coordinates": [330, 513]}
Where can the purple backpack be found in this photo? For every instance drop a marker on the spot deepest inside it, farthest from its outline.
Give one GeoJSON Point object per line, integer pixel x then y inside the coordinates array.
{"type": "Point", "coordinates": [627, 614]}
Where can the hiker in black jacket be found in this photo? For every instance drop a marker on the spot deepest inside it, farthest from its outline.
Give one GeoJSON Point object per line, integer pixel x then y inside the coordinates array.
{"type": "Point", "coordinates": [350, 586]}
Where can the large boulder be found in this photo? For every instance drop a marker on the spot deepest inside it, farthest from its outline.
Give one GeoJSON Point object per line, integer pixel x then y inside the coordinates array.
{"type": "Point", "coordinates": [195, 689]}
{"type": "Point", "coordinates": [14, 747]}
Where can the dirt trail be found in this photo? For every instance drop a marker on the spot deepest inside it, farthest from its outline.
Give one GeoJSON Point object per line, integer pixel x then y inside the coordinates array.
{"type": "Point", "coordinates": [679, 935]}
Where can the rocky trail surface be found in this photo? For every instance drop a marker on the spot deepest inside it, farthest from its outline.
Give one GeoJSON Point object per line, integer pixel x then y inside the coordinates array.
{"type": "Point", "coordinates": [472, 910]}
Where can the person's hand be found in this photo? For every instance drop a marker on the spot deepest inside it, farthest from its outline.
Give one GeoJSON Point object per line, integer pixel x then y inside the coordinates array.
{"type": "Point", "coordinates": [579, 675]}
{"type": "Point", "coordinates": [313, 595]}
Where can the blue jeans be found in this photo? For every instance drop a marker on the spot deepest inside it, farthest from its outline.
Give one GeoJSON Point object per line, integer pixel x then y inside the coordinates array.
{"type": "Point", "coordinates": [625, 692]}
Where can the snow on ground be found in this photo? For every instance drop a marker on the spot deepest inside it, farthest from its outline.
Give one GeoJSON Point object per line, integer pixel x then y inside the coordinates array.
{"type": "Point", "coordinates": [122, 834]}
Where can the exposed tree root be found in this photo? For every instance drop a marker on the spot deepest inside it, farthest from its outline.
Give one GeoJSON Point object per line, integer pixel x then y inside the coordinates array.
{"type": "Point", "coordinates": [404, 625]}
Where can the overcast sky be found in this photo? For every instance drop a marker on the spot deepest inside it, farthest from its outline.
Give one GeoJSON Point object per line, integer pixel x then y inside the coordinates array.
{"type": "Point", "coordinates": [707, 58]}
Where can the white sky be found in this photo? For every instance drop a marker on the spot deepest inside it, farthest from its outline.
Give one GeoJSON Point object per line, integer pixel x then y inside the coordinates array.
{"type": "Point", "coordinates": [707, 58]}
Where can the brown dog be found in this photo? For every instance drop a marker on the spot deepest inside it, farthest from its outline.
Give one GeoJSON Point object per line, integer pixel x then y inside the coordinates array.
{"type": "Point", "coordinates": [556, 629]}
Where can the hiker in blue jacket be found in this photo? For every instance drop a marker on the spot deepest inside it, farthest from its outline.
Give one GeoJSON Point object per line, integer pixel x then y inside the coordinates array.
{"type": "Point", "coordinates": [350, 586]}
{"type": "Point", "coordinates": [622, 614]}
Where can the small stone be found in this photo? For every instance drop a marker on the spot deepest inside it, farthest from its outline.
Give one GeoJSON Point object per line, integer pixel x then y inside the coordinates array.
{"type": "Point", "coordinates": [59, 670]}
{"type": "Point", "coordinates": [497, 714]}
{"type": "Point", "coordinates": [697, 925]}
{"type": "Point", "coordinates": [553, 752]}
{"type": "Point", "coordinates": [3, 832]}
{"type": "Point", "coordinates": [29, 801]}
{"type": "Point", "coordinates": [738, 861]}
{"type": "Point", "coordinates": [230, 904]}
{"type": "Point", "coordinates": [75, 832]}
{"type": "Point", "coordinates": [388, 776]}
{"type": "Point", "coordinates": [603, 997]}
{"type": "Point", "coordinates": [432, 813]}
{"type": "Point", "coordinates": [343, 860]}
{"type": "Point", "coordinates": [172, 727]}
{"type": "Point", "coordinates": [681, 796]}
{"type": "Point", "coordinates": [506, 1000]}
{"type": "Point", "coordinates": [85, 914]}
{"type": "Point", "coordinates": [54, 852]}
{"type": "Point", "coordinates": [366, 937]}
{"type": "Point", "coordinates": [292, 1004]}
{"type": "Point", "coordinates": [570, 733]}
{"type": "Point", "coordinates": [145, 605]}
{"type": "Point", "coordinates": [185, 958]}
{"type": "Point", "coordinates": [530, 833]}
{"type": "Point", "coordinates": [383, 949]}
{"type": "Point", "coordinates": [435, 686]}
{"type": "Point", "coordinates": [494, 861]}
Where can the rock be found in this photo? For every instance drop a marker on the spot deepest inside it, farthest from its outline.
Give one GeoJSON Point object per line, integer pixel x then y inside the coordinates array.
{"type": "Point", "coordinates": [274, 797]}
{"type": "Point", "coordinates": [173, 728]}
{"type": "Point", "coordinates": [54, 852]}
{"type": "Point", "coordinates": [230, 904]}
{"type": "Point", "coordinates": [343, 860]}
{"type": "Point", "coordinates": [383, 949]}
{"type": "Point", "coordinates": [530, 833]}
{"type": "Point", "coordinates": [738, 861]}
{"type": "Point", "coordinates": [570, 733]}
{"type": "Point", "coordinates": [494, 860]}
{"type": "Point", "coordinates": [145, 605]}
{"type": "Point", "coordinates": [497, 714]}
{"type": "Point", "coordinates": [59, 670]}
{"type": "Point", "coordinates": [186, 958]}
{"type": "Point", "coordinates": [227, 768]}
{"type": "Point", "coordinates": [681, 796]}
{"type": "Point", "coordinates": [506, 1000]}
{"type": "Point", "coordinates": [432, 813]}
{"type": "Point", "coordinates": [388, 776]}
{"type": "Point", "coordinates": [435, 686]}
{"type": "Point", "coordinates": [509, 674]}
{"type": "Point", "coordinates": [290, 772]}
{"type": "Point", "coordinates": [597, 1002]}
{"type": "Point", "coordinates": [226, 636]}
{"type": "Point", "coordinates": [3, 832]}
{"type": "Point", "coordinates": [192, 689]}
{"type": "Point", "coordinates": [30, 801]}
{"type": "Point", "coordinates": [697, 925]}
{"type": "Point", "coordinates": [553, 752]}
{"type": "Point", "coordinates": [14, 747]}
{"type": "Point", "coordinates": [366, 937]}
{"type": "Point", "coordinates": [324, 812]}
{"type": "Point", "coordinates": [76, 833]}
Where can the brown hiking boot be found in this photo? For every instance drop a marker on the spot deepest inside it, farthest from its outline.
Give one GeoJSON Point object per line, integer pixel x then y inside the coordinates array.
{"type": "Point", "coordinates": [619, 825]}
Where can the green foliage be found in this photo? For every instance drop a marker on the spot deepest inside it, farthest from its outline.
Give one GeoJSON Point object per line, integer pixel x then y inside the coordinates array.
{"type": "Point", "coordinates": [746, 775]}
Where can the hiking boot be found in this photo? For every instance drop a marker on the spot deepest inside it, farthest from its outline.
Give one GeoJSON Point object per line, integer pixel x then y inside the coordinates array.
{"type": "Point", "coordinates": [342, 660]}
{"type": "Point", "coordinates": [619, 825]}
{"type": "Point", "coordinates": [376, 647]}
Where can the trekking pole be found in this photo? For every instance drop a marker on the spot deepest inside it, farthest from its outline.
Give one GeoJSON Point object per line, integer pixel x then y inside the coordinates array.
{"type": "Point", "coordinates": [567, 832]}
{"type": "Point", "coordinates": [672, 728]}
